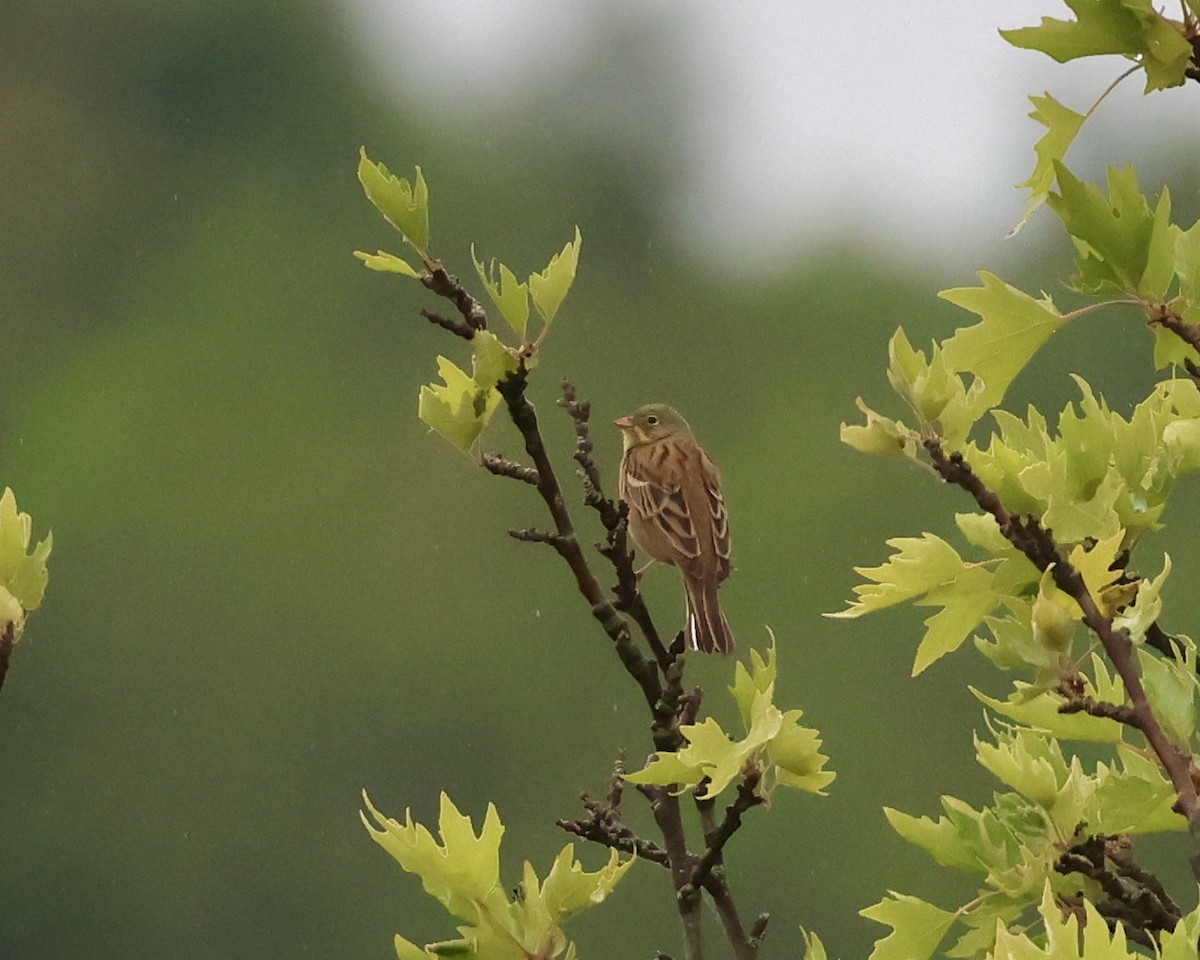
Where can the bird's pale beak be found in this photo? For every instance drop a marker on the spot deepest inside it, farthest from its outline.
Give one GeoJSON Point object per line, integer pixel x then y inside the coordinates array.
{"type": "Point", "coordinates": [623, 422]}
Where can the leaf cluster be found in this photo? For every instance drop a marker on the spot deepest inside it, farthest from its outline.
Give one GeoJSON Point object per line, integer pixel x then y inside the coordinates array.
{"type": "Point", "coordinates": [460, 406]}
{"type": "Point", "coordinates": [1046, 581]}
{"type": "Point", "coordinates": [462, 872]}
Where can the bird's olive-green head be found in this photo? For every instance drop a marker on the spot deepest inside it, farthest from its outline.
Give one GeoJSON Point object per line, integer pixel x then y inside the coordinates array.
{"type": "Point", "coordinates": [654, 421]}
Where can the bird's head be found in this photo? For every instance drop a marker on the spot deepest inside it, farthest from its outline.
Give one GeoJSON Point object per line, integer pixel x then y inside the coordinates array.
{"type": "Point", "coordinates": [654, 421]}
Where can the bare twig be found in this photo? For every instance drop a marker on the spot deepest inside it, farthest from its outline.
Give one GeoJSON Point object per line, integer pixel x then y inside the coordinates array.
{"type": "Point", "coordinates": [446, 285]}
{"type": "Point", "coordinates": [6, 649]}
{"type": "Point", "coordinates": [460, 328]}
{"type": "Point", "coordinates": [537, 535]}
{"type": "Point", "coordinates": [503, 467]}
{"type": "Point", "coordinates": [716, 839]}
{"type": "Point", "coordinates": [524, 418]}
{"type": "Point", "coordinates": [1078, 702]}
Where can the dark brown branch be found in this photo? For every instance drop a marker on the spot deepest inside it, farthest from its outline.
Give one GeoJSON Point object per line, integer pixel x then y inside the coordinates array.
{"type": "Point", "coordinates": [524, 418]}
{"type": "Point", "coordinates": [503, 467]}
{"type": "Point", "coordinates": [613, 515]}
{"type": "Point", "coordinates": [607, 828]}
{"type": "Point", "coordinates": [6, 648]}
{"type": "Point", "coordinates": [1132, 896]}
{"type": "Point", "coordinates": [716, 839]}
{"type": "Point", "coordinates": [665, 808]}
{"type": "Point", "coordinates": [1039, 546]}
{"type": "Point", "coordinates": [457, 327]}
{"type": "Point", "coordinates": [759, 929]}
{"type": "Point", "coordinates": [447, 286]}
{"type": "Point", "coordinates": [589, 474]}
{"type": "Point", "coordinates": [1076, 702]}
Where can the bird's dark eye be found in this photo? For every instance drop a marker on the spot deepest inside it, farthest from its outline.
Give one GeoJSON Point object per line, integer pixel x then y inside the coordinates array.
{"type": "Point", "coordinates": [652, 420]}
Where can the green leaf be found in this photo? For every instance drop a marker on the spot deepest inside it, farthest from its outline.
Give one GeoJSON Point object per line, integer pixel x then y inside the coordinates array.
{"type": "Point", "coordinates": [404, 205]}
{"type": "Point", "coordinates": [1113, 235]}
{"type": "Point", "coordinates": [509, 295]}
{"type": "Point", "coordinates": [462, 871]}
{"type": "Point", "coordinates": [888, 438]}
{"type": "Point", "coordinates": [1131, 28]}
{"type": "Point", "coordinates": [951, 842]}
{"type": "Point", "coordinates": [1062, 124]}
{"type": "Point", "coordinates": [749, 684]}
{"type": "Point", "coordinates": [1061, 937]}
{"type": "Point", "coordinates": [930, 569]}
{"type": "Point", "coordinates": [23, 573]}
{"type": "Point", "coordinates": [492, 360]}
{"type": "Point", "coordinates": [550, 287]}
{"type": "Point", "coordinates": [1138, 617]}
{"type": "Point", "coordinates": [964, 602]}
{"type": "Point", "coordinates": [459, 408]}
{"type": "Point", "coordinates": [786, 753]}
{"type": "Point", "coordinates": [1040, 712]}
{"type": "Point", "coordinates": [814, 949]}
{"type": "Point", "coordinates": [1100, 27]}
{"type": "Point", "coordinates": [918, 565]}
{"type": "Point", "coordinates": [387, 263]}
{"type": "Point", "coordinates": [1171, 686]}
{"type": "Point", "coordinates": [1012, 328]}
{"type": "Point", "coordinates": [1028, 762]}
{"type": "Point", "coordinates": [1134, 800]}
{"type": "Point", "coordinates": [917, 927]}
{"type": "Point", "coordinates": [934, 391]}
{"type": "Point", "coordinates": [569, 888]}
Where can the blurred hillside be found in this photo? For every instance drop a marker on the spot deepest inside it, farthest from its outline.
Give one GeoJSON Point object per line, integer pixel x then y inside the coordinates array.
{"type": "Point", "coordinates": [271, 587]}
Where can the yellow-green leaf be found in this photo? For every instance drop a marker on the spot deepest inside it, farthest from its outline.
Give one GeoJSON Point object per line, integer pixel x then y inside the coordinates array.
{"type": "Point", "coordinates": [403, 204]}
{"type": "Point", "coordinates": [1062, 124]}
{"type": "Point", "coordinates": [387, 263]}
{"type": "Point", "coordinates": [1012, 328]}
{"type": "Point", "coordinates": [917, 927]}
{"type": "Point", "coordinates": [23, 574]}
{"type": "Point", "coordinates": [510, 296]}
{"type": "Point", "coordinates": [549, 287]}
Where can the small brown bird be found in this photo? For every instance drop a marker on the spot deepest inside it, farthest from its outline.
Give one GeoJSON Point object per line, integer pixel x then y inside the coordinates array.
{"type": "Point", "coordinates": [677, 514]}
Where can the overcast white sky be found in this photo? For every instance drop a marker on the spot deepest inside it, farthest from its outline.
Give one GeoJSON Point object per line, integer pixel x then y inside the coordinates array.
{"type": "Point", "coordinates": [901, 119]}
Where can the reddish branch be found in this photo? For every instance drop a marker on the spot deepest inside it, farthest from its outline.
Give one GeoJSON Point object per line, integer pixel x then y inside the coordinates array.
{"type": "Point", "coordinates": [1038, 544]}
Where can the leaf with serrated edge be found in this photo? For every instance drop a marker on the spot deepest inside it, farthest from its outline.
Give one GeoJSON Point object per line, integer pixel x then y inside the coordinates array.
{"type": "Point", "coordinates": [387, 263]}
{"type": "Point", "coordinates": [964, 602]}
{"type": "Point", "coordinates": [918, 565]}
{"type": "Point", "coordinates": [24, 574]}
{"type": "Point", "coordinates": [1042, 713]}
{"type": "Point", "coordinates": [1062, 124]}
{"type": "Point", "coordinates": [1012, 328]}
{"type": "Point", "coordinates": [510, 296]}
{"type": "Point", "coordinates": [550, 287]}
{"type": "Point", "coordinates": [404, 205]}
{"type": "Point", "coordinates": [917, 927]}
{"type": "Point", "coordinates": [880, 435]}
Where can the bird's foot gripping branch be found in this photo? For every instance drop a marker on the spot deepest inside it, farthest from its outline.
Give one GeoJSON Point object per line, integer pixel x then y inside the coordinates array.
{"type": "Point", "coordinates": [694, 761]}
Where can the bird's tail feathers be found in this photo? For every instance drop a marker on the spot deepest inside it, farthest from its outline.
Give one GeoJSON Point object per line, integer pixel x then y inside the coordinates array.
{"type": "Point", "coordinates": [707, 629]}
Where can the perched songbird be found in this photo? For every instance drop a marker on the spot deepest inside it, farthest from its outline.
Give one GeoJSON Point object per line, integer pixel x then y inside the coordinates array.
{"type": "Point", "coordinates": [677, 514]}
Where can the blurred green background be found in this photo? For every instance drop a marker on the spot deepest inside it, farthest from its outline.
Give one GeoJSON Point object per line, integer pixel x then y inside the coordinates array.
{"type": "Point", "coordinates": [272, 588]}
